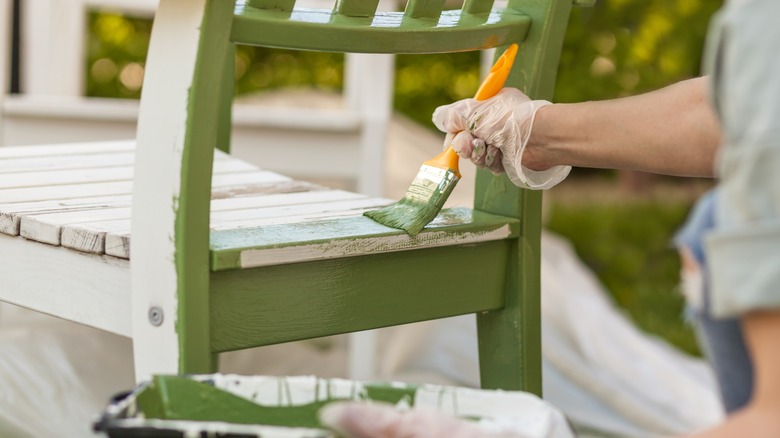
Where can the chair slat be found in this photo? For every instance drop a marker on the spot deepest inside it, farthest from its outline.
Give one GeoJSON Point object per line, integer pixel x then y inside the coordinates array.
{"type": "Point", "coordinates": [477, 6]}
{"type": "Point", "coordinates": [388, 32]}
{"type": "Point", "coordinates": [356, 8]}
{"type": "Point", "coordinates": [424, 8]}
{"type": "Point", "coordinates": [275, 5]}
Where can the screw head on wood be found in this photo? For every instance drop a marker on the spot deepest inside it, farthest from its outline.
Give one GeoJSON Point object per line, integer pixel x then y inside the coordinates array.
{"type": "Point", "coordinates": [156, 316]}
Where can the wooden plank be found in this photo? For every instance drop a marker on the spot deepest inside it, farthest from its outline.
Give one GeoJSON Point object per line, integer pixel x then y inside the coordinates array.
{"type": "Point", "coordinates": [66, 149]}
{"type": "Point", "coordinates": [66, 162]}
{"type": "Point", "coordinates": [77, 161]}
{"type": "Point", "coordinates": [244, 180]}
{"type": "Point", "coordinates": [304, 300]}
{"type": "Point", "coordinates": [99, 174]}
{"type": "Point", "coordinates": [58, 177]}
{"type": "Point", "coordinates": [10, 214]}
{"type": "Point", "coordinates": [117, 241]}
{"type": "Point", "coordinates": [90, 290]}
{"type": "Point", "coordinates": [46, 227]}
{"type": "Point", "coordinates": [32, 194]}
{"type": "Point", "coordinates": [387, 32]}
{"type": "Point", "coordinates": [355, 236]}
{"type": "Point", "coordinates": [86, 231]}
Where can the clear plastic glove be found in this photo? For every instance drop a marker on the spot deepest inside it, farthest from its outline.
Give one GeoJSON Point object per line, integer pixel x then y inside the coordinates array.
{"type": "Point", "coordinates": [374, 420]}
{"type": "Point", "coordinates": [493, 134]}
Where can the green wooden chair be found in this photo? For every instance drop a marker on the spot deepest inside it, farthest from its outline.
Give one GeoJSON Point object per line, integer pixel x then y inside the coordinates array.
{"type": "Point", "coordinates": [289, 261]}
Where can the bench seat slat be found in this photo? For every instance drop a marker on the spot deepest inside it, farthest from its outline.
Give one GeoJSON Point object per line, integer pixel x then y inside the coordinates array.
{"type": "Point", "coordinates": [47, 228]}
{"type": "Point", "coordinates": [50, 150]}
{"type": "Point", "coordinates": [352, 236]}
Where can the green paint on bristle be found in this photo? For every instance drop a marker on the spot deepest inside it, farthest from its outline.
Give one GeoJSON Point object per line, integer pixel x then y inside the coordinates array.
{"type": "Point", "coordinates": [422, 202]}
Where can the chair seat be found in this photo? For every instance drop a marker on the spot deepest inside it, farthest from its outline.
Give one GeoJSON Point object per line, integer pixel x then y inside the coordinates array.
{"type": "Point", "coordinates": [78, 196]}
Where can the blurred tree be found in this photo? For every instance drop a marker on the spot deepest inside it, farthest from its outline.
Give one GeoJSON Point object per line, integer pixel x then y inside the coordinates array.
{"type": "Point", "coordinates": [618, 47]}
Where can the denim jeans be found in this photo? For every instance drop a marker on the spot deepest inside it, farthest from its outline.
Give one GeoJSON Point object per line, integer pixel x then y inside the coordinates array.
{"type": "Point", "coordinates": [721, 339]}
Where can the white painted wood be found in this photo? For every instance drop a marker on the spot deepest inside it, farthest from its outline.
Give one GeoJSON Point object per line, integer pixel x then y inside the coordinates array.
{"type": "Point", "coordinates": [11, 214]}
{"type": "Point", "coordinates": [56, 150]}
{"type": "Point", "coordinates": [87, 289]}
{"type": "Point", "coordinates": [77, 230]}
{"type": "Point", "coordinates": [47, 228]}
{"type": "Point", "coordinates": [100, 174]}
{"type": "Point", "coordinates": [69, 191]}
{"type": "Point", "coordinates": [161, 125]}
{"type": "Point", "coordinates": [369, 90]}
{"type": "Point", "coordinates": [39, 164]}
{"type": "Point", "coordinates": [6, 25]}
{"type": "Point", "coordinates": [53, 31]}
{"type": "Point", "coordinates": [60, 177]}
{"type": "Point", "coordinates": [117, 241]}
{"type": "Point", "coordinates": [31, 194]}
{"type": "Point", "coordinates": [222, 163]}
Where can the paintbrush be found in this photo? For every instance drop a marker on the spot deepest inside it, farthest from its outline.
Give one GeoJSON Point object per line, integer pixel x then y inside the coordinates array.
{"type": "Point", "coordinates": [437, 177]}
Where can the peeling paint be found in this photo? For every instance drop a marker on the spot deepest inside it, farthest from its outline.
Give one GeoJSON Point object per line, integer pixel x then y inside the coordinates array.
{"type": "Point", "coordinates": [369, 245]}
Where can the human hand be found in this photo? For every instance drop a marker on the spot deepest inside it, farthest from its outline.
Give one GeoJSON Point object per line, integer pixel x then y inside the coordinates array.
{"type": "Point", "coordinates": [494, 134]}
{"type": "Point", "coordinates": [374, 420]}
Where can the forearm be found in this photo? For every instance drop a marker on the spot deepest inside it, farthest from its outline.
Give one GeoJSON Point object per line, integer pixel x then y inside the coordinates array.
{"type": "Point", "coordinates": [671, 131]}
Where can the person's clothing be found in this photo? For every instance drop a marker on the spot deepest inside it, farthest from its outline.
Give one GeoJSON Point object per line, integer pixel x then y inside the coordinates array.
{"type": "Point", "coordinates": [721, 339]}
{"type": "Point", "coordinates": [744, 249]}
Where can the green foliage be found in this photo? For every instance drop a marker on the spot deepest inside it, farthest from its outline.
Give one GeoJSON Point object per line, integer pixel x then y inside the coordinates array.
{"type": "Point", "coordinates": [424, 82]}
{"type": "Point", "coordinates": [116, 52]}
{"type": "Point", "coordinates": [259, 68]}
{"type": "Point", "coordinates": [624, 47]}
{"type": "Point", "coordinates": [627, 244]}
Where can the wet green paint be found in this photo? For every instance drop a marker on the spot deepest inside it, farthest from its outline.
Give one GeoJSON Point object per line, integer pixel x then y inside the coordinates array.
{"type": "Point", "coordinates": [510, 338]}
{"type": "Point", "coordinates": [427, 194]}
{"type": "Point", "coordinates": [274, 304]}
{"type": "Point", "coordinates": [228, 246]}
{"type": "Point", "coordinates": [187, 399]}
{"type": "Point", "coordinates": [192, 210]}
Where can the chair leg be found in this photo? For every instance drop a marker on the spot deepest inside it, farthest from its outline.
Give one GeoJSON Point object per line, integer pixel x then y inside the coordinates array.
{"type": "Point", "coordinates": [510, 339]}
{"type": "Point", "coordinates": [189, 52]}
{"type": "Point", "coordinates": [510, 347]}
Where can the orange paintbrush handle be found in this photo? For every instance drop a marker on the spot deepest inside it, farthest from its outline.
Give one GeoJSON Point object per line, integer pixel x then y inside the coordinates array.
{"type": "Point", "coordinates": [491, 85]}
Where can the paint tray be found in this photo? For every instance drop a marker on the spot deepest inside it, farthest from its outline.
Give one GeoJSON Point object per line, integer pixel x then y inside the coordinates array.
{"type": "Point", "coordinates": [260, 406]}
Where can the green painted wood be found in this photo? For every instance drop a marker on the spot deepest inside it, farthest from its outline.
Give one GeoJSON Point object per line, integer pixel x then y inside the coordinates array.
{"type": "Point", "coordinates": [227, 246]}
{"type": "Point", "coordinates": [477, 6]}
{"type": "Point", "coordinates": [275, 304]}
{"type": "Point", "coordinates": [182, 398]}
{"type": "Point", "coordinates": [192, 207]}
{"type": "Point", "coordinates": [356, 8]}
{"type": "Point", "coordinates": [512, 335]}
{"type": "Point", "coordinates": [275, 5]}
{"type": "Point", "coordinates": [225, 120]}
{"type": "Point", "coordinates": [424, 8]}
{"type": "Point", "coordinates": [387, 32]}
